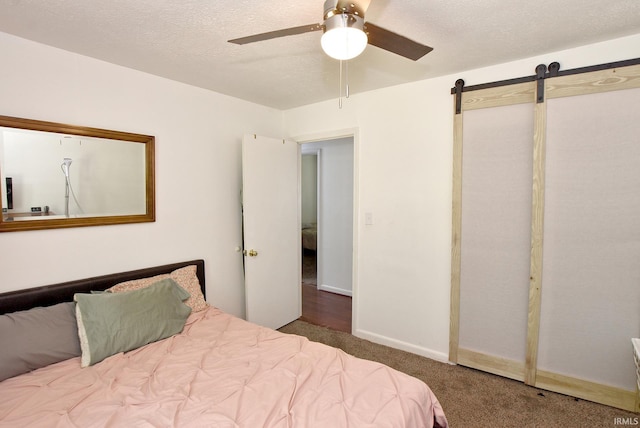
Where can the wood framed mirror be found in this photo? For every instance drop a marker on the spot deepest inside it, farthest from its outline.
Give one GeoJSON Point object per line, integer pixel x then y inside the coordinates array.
{"type": "Point", "coordinates": [55, 175]}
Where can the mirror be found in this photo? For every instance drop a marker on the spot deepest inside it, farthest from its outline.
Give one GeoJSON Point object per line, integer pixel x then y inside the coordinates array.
{"type": "Point", "coordinates": [55, 175]}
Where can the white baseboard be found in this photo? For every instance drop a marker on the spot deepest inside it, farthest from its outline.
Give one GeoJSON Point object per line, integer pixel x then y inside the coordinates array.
{"type": "Point", "coordinates": [403, 346]}
{"type": "Point", "coordinates": [335, 290]}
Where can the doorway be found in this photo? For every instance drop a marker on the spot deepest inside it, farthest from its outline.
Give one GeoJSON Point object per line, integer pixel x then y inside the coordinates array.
{"type": "Point", "coordinates": [327, 232]}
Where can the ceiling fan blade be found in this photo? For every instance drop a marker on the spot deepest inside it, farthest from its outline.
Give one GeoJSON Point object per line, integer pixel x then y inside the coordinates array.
{"type": "Point", "coordinates": [275, 34]}
{"type": "Point", "coordinates": [393, 42]}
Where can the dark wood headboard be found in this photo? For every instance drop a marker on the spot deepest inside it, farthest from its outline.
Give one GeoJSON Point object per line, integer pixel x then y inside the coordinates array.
{"type": "Point", "coordinates": [48, 295]}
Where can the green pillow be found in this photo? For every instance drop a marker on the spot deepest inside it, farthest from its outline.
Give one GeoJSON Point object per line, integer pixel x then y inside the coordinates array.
{"type": "Point", "coordinates": [109, 323]}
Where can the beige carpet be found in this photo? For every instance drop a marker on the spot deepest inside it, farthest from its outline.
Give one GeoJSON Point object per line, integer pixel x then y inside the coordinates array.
{"type": "Point", "coordinates": [473, 399]}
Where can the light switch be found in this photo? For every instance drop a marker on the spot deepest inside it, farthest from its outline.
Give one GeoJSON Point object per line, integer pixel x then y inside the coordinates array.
{"type": "Point", "coordinates": [368, 218]}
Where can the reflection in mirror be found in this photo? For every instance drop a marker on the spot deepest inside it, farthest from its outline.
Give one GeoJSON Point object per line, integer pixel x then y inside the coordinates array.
{"type": "Point", "coordinates": [55, 175]}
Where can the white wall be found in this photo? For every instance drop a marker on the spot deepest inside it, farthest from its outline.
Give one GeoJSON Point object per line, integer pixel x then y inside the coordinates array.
{"type": "Point", "coordinates": [309, 188]}
{"type": "Point", "coordinates": [198, 138]}
{"type": "Point", "coordinates": [404, 167]}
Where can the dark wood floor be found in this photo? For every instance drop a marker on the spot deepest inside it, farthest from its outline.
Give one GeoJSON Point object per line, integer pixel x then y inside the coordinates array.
{"type": "Point", "coordinates": [321, 307]}
{"type": "Point", "coordinates": [326, 309]}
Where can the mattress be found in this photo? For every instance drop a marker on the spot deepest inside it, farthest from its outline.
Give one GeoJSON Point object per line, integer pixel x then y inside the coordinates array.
{"type": "Point", "coordinates": [221, 371]}
{"type": "Point", "coordinates": [310, 238]}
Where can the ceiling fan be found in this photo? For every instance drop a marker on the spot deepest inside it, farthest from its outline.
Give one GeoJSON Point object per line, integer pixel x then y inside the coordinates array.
{"type": "Point", "coordinates": [346, 34]}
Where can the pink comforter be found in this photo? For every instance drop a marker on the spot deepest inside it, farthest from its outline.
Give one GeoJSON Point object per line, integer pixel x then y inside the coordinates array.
{"type": "Point", "coordinates": [221, 371]}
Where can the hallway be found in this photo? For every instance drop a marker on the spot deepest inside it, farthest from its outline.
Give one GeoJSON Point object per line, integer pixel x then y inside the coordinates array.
{"type": "Point", "coordinates": [322, 307]}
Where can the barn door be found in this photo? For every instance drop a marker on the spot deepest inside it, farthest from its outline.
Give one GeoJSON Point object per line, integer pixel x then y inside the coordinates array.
{"type": "Point", "coordinates": [546, 237]}
{"type": "Point", "coordinates": [493, 178]}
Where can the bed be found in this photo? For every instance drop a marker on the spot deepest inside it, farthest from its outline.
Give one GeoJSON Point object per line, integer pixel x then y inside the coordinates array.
{"type": "Point", "coordinates": [310, 236]}
{"type": "Point", "coordinates": [217, 371]}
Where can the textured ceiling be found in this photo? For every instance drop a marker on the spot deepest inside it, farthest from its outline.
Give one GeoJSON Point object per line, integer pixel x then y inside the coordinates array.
{"type": "Point", "coordinates": [186, 40]}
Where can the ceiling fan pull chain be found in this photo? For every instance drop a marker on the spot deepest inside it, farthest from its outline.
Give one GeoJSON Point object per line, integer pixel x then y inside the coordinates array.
{"type": "Point", "coordinates": [346, 71]}
{"type": "Point", "coordinates": [340, 88]}
{"type": "Point", "coordinates": [346, 63]}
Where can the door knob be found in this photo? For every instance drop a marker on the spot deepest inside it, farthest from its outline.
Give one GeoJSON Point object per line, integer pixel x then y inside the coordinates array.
{"type": "Point", "coordinates": [251, 253]}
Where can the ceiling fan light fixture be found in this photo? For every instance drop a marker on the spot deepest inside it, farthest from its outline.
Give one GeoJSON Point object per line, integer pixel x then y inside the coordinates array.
{"type": "Point", "coordinates": [344, 37]}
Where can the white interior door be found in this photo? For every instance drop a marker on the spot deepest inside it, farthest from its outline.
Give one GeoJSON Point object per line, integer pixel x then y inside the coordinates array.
{"type": "Point", "coordinates": [272, 240]}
